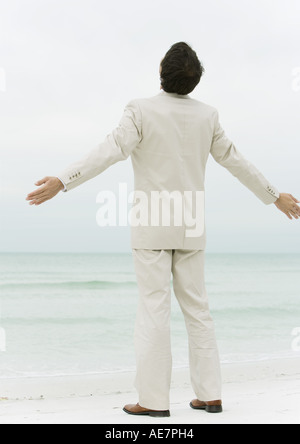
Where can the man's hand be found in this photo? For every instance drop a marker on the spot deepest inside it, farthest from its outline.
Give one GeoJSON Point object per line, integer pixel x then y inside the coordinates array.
{"type": "Point", "coordinates": [50, 187]}
{"type": "Point", "coordinates": [288, 205]}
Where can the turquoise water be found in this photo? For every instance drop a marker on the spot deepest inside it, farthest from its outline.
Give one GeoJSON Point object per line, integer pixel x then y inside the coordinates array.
{"type": "Point", "coordinates": [67, 314]}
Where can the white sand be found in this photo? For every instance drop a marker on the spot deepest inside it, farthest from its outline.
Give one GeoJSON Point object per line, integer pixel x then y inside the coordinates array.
{"type": "Point", "coordinates": [266, 392]}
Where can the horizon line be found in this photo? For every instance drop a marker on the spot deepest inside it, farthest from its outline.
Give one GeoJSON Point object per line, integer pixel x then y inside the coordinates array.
{"type": "Point", "coordinates": [129, 252]}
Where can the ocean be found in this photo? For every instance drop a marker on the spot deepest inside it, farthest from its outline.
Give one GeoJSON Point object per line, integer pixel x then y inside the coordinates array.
{"type": "Point", "coordinates": [74, 314]}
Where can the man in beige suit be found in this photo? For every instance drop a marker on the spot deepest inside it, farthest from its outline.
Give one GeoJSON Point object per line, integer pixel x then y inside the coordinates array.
{"type": "Point", "coordinates": [169, 138]}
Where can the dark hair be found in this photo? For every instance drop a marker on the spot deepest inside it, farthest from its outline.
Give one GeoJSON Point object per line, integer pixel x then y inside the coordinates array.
{"type": "Point", "coordinates": [181, 70]}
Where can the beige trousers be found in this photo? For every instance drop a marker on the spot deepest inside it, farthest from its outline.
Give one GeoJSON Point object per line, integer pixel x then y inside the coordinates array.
{"type": "Point", "coordinates": [152, 333]}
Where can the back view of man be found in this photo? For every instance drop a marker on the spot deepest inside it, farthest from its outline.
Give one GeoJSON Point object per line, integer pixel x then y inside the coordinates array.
{"type": "Point", "coordinates": [169, 138]}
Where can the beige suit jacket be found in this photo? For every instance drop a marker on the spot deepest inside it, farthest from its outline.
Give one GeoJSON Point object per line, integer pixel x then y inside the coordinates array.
{"type": "Point", "coordinates": [169, 138]}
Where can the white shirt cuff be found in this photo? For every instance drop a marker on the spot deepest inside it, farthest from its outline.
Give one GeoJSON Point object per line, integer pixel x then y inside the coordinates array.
{"type": "Point", "coordinates": [65, 188]}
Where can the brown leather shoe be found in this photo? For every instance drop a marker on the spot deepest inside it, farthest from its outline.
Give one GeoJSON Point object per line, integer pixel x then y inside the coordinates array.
{"type": "Point", "coordinates": [210, 407]}
{"type": "Point", "coordinates": [136, 409]}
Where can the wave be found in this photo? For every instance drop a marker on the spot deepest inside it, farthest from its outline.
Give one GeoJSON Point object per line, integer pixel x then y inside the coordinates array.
{"type": "Point", "coordinates": [57, 321]}
{"type": "Point", "coordinates": [114, 369]}
{"type": "Point", "coordinates": [69, 285]}
{"type": "Point", "coordinates": [266, 311]}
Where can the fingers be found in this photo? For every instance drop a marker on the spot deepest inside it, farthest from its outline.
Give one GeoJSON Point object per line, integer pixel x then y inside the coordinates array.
{"type": "Point", "coordinates": [293, 211]}
{"type": "Point", "coordinates": [38, 201]}
{"type": "Point", "coordinates": [38, 194]}
{"type": "Point", "coordinates": [294, 199]}
{"type": "Point", "coordinates": [35, 194]}
{"type": "Point", "coordinates": [42, 181]}
{"type": "Point", "coordinates": [38, 198]}
{"type": "Point", "coordinates": [297, 210]}
{"type": "Point", "coordinates": [294, 208]}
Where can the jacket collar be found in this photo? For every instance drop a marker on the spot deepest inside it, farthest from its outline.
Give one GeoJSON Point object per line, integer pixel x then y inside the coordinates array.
{"type": "Point", "coordinates": [177, 96]}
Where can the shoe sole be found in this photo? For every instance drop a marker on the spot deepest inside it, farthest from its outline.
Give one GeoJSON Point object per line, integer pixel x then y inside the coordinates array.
{"type": "Point", "coordinates": [153, 414]}
{"type": "Point", "coordinates": [209, 408]}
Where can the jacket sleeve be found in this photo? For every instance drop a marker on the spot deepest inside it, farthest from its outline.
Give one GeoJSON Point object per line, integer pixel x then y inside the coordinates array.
{"type": "Point", "coordinates": [117, 146]}
{"type": "Point", "coordinates": [226, 154]}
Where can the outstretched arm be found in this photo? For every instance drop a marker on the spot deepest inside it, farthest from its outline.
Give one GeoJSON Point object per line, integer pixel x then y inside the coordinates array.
{"type": "Point", "coordinates": [116, 147]}
{"type": "Point", "coordinates": [226, 154]}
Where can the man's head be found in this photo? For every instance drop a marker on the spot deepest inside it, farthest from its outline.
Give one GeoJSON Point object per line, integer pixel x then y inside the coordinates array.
{"type": "Point", "coordinates": [181, 70]}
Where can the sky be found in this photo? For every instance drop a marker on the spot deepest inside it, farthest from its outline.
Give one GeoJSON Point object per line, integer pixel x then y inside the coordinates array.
{"type": "Point", "coordinates": [69, 67]}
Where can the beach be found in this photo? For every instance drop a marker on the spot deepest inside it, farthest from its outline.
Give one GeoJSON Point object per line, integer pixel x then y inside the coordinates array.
{"type": "Point", "coordinates": [262, 392]}
{"type": "Point", "coordinates": [67, 353]}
